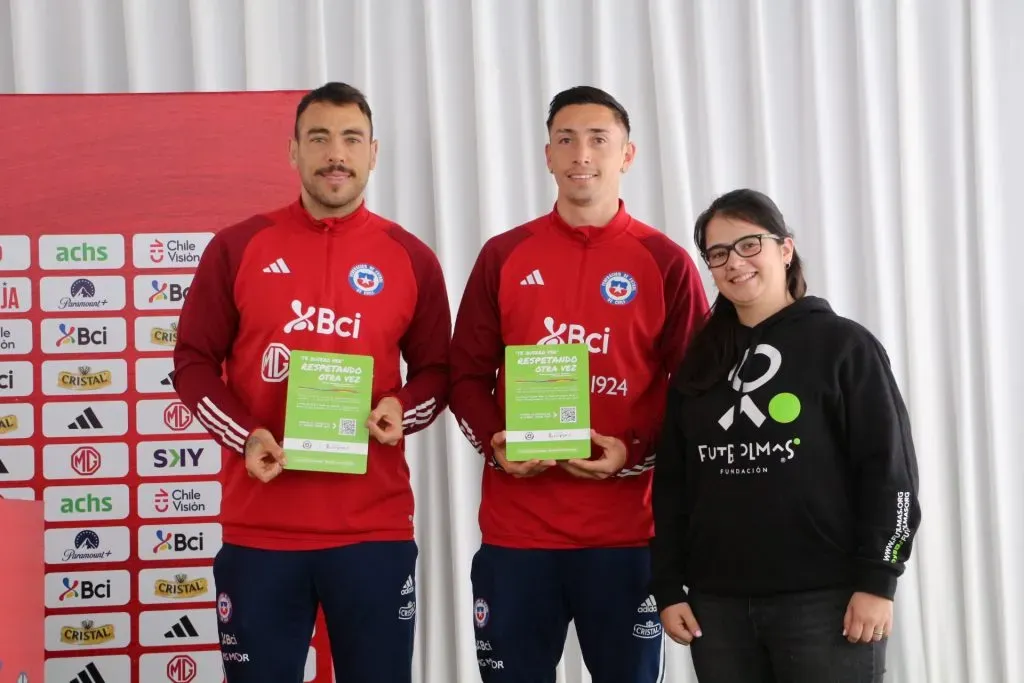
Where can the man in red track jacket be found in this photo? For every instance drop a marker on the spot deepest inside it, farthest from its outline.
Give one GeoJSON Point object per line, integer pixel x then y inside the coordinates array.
{"type": "Point", "coordinates": [322, 274]}
{"type": "Point", "coordinates": [568, 541]}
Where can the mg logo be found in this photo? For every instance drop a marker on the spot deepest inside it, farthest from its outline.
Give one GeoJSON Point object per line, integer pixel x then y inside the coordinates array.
{"type": "Point", "coordinates": [177, 416]}
{"type": "Point", "coordinates": [86, 461]}
{"type": "Point", "coordinates": [571, 333]}
{"type": "Point", "coordinates": [276, 359]}
{"type": "Point", "coordinates": [322, 321]}
{"type": "Point", "coordinates": [181, 669]}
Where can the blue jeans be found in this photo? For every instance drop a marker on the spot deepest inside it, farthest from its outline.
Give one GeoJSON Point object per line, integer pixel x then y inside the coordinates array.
{"type": "Point", "coordinates": [793, 638]}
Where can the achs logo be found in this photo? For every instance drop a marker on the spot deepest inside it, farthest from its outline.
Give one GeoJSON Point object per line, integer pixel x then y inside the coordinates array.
{"type": "Point", "coordinates": [366, 279]}
{"type": "Point", "coordinates": [783, 408]}
{"type": "Point", "coordinates": [276, 359]}
{"type": "Point", "coordinates": [571, 333]}
{"type": "Point", "coordinates": [322, 321]}
{"type": "Point", "coordinates": [618, 288]}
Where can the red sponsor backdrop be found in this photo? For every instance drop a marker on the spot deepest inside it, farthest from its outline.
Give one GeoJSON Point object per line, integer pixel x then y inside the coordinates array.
{"type": "Point", "coordinates": [78, 172]}
{"type": "Point", "coordinates": [21, 613]}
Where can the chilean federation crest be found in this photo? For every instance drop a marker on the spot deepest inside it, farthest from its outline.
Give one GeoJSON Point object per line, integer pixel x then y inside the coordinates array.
{"type": "Point", "coordinates": [618, 288]}
{"type": "Point", "coordinates": [366, 279]}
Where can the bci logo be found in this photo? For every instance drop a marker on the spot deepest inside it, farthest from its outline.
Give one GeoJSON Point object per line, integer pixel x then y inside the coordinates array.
{"type": "Point", "coordinates": [177, 542]}
{"type": "Point", "coordinates": [322, 321]}
{"type": "Point", "coordinates": [167, 291]}
{"type": "Point", "coordinates": [81, 335]}
{"type": "Point", "coordinates": [84, 590]}
{"type": "Point", "coordinates": [572, 333]}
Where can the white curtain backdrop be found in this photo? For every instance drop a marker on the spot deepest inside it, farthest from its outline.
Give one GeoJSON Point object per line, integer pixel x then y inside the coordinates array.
{"type": "Point", "coordinates": [889, 131]}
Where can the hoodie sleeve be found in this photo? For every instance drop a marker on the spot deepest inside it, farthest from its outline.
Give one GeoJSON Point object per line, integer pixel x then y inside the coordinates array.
{"type": "Point", "coordinates": [671, 518]}
{"type": "Point", "coordinates": [478, 350]}
{"type": "Point", "coordinates": [426, 342]}
{"type": "Point", "coordinates": [885, 468]}
{"type": "Point", "coordinates": [686, 309]}
{"type": "Point", "coordinates": [207, 328]}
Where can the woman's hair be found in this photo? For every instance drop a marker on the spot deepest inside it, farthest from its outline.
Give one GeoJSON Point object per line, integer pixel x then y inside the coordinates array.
{"type": "Point", "coordinates": [714, 350]}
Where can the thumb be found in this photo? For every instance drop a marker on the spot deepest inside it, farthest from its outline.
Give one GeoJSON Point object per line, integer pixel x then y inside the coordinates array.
{"type": "Point", "coordinates": [498, 439]}
{"type": "Point", "coordinates": [847, 619]}
{"type": "Point", "coordinates": [274, 449]}
{"type": "Point", "coordinates": [600, 439]}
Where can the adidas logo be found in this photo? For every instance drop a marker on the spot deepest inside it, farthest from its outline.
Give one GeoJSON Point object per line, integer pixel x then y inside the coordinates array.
{"type": "Point", "coordinates": [408, 587]}
{"type": "Point", "coordinates": [3, 468]}
{"type": "Point", "coordinates": [278, 266]}
{"type": "Point", "coordinates": [87, 420]}
{"type": "Point", "coordinates": [183, 629]}
{"type": "Point", "coordinates": [647, 605]}
{"type": "Point", "coordinates": [533, 278]}
{"type": "Point", "coordinates": [90, 674]}
{"type": "Point", "coordinates": [168, 381]}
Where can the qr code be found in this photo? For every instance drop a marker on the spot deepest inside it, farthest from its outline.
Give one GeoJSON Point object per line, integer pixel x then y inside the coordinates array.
{"type": "Point", "coordinates": [347, 428]}
{"type": "Point", "coordinates": [567, 415]}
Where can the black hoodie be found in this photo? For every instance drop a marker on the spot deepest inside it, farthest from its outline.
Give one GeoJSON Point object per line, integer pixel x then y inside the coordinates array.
{"type": "Point", "coordinates": [798, 474]}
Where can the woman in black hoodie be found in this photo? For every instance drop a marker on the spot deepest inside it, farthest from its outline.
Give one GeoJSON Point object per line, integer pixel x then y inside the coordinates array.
{"type": "Point", "coordinates": [785, 495]}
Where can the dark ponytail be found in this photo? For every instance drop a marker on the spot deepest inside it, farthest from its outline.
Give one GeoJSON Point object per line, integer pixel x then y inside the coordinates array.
{"type": "Point", "coordinates": [717, 347]}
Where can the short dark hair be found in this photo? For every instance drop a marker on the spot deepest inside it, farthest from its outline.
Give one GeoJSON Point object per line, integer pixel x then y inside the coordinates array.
{"type": "Point", "coordinates": [335, 93]}
{"type": "Point", "coordinates": [587, 94]}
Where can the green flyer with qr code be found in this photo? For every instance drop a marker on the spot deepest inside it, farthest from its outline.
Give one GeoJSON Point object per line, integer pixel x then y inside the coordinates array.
{"type": "Point", "coordinates": [328, 403]}
{"type": "Point", "coordinates": [547, 402]}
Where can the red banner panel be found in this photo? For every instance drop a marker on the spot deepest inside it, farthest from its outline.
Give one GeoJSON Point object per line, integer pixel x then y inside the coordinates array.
{"type": "Point", "coordinates": [108, 202]}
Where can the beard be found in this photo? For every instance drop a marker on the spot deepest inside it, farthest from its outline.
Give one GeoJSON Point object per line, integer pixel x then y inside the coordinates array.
{"type": "Point", "coordinates": [338, 198]}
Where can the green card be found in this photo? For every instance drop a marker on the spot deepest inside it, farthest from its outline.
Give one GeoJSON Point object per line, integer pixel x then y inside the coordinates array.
{"type": "Point", "coordinates": [327, 406]}
{"type": "Point", "coordinates": [547, 402]}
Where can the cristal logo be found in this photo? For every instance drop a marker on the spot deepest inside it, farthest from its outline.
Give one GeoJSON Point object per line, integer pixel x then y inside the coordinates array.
{"type": "Point", "coordinates": [322, 321]}
{"type": "Point", "coordinates": [274, 367]}
{"type": "Point", "coordinates": [571, 333]}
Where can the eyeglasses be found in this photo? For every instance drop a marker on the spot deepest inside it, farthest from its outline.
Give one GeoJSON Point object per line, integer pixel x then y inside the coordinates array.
{"type": "Point", "coordinates": [746, 246]}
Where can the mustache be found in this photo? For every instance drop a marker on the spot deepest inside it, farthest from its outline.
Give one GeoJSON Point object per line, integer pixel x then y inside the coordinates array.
{"type": "Point", "coordinates": [333, 168]}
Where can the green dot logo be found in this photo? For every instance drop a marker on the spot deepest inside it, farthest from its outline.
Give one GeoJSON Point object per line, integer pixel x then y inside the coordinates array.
{"type": "Point", "coordinates": [784, 407]}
